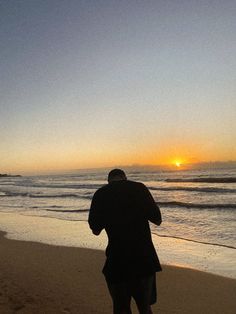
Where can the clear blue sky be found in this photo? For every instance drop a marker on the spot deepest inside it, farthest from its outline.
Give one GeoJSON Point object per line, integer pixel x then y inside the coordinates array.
{"type": "Point", "coordinates": [100, 83]}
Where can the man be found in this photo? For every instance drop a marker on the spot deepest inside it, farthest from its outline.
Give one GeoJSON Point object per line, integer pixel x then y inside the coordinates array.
{"type": "Point", "coordinates": [123, 208]}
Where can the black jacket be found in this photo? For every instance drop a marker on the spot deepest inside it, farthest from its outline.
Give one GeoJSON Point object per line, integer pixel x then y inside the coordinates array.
{"type": "Point", "coordinates": [124, 208]}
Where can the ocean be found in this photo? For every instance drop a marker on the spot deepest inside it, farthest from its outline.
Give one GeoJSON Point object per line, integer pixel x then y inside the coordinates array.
{"type": "Point", "coordinates": [197, 206]}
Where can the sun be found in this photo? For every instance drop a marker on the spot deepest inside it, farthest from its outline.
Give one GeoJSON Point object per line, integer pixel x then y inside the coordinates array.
{"type": "Point", "coordinates": [178, 164]}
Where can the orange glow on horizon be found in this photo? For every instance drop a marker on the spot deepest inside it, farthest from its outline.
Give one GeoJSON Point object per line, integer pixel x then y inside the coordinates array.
{"type": "Point", "coordinates": [52, 158]}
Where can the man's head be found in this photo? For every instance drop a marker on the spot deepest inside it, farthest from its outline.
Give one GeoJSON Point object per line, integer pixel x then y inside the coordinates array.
{"type": "Point", "coordinates": [116, 175]}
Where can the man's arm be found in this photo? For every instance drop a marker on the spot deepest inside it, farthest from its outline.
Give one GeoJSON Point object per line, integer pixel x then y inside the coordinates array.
{"type": "Point", "coordinates": [96, 219]}
{"type": "Point", "coordinates": [153, 211]}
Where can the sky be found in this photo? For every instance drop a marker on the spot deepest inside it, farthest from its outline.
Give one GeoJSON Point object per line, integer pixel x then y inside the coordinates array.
{"type": "Point", "coordinates": [103, 83]}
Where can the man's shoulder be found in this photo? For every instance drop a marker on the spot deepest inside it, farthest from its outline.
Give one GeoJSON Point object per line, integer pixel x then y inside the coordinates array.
{"type": "Point", "coordinates": [136, 184]}
{"type": "Point", "coordinates": [102, 189]}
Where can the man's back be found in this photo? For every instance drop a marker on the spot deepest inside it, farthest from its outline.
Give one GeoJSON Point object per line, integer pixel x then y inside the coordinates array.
{"type": "Point", "coordinates": [124, 208]}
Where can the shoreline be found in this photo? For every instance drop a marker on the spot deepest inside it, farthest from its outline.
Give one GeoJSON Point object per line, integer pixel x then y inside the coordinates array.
{"type": "Point", "coordinates": [42, 278]}
{"type": "Point", "coordinates": [171, 251]}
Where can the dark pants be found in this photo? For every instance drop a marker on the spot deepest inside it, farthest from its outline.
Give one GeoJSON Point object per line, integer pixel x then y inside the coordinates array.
{"type": "Point", "coordinates": [143, 290]}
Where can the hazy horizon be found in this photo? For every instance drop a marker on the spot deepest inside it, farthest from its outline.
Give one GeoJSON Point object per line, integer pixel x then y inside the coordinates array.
{"type": "Point", "coordinates": [213, 165]}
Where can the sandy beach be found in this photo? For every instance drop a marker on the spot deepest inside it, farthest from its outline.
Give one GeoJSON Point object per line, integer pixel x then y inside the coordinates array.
{"type": "Point", "coordinates": [41, 278]}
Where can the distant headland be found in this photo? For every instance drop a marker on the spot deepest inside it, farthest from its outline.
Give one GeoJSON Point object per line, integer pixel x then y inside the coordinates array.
{"type": "Point", "coordinates": [4, 175]}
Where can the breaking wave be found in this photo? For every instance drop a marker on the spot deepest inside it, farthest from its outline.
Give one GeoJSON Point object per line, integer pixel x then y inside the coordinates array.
{"type": "Point", "coordinates": [193, 189]}
{"type": "Point", "coordinates": [195, 205]}
{"type": "Point", "coordinates": [206, 179]}
{"type": "Point", "coordinates": [59, 186]}
{"type": "Point", "coordinates": [67, 211]}
{"type": "Point", "coordinates": [25, 194]}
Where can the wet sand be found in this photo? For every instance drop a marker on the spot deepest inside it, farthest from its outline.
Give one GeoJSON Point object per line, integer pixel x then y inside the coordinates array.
{"type": "Point", "coordinates": [41, 278]}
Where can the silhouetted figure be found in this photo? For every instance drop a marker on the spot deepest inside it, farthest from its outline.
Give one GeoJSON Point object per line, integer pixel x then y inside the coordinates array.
{"type": "Point", "coordinates": [124, 208]}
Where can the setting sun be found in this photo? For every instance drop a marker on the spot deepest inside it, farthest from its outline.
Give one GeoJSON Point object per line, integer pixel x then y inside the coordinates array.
{"type": "Point", "coordinates": [178, 162]}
